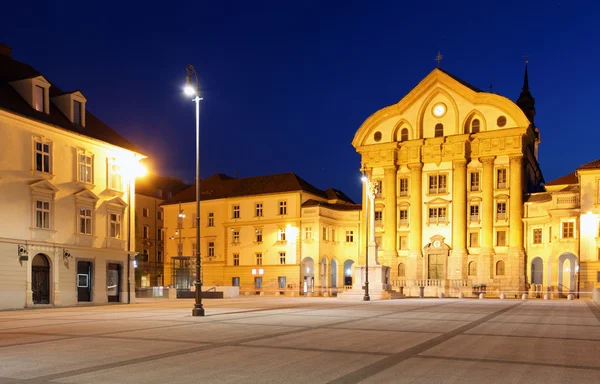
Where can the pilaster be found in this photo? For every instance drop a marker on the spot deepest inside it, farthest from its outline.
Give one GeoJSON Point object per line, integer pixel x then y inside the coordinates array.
{"type": "Point", "coordinates": [391, 228]}
{"type": "Point", "coordinates": [486, 253]}
{"type": "Point", "coordinates": [516, 264]}
{"type": "Point", "coordinates": [458, 256]}
{"type": "Point", "coordinates": [414, 266]}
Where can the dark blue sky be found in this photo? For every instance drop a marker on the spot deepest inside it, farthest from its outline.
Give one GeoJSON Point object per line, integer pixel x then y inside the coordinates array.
{"type": "Point", "coordinates": [286, 84]}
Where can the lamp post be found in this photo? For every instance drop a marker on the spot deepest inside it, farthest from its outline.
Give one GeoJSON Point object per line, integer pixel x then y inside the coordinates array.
{"type": "Point", "coordinates": [365, 181]}
{"type": "Point", "coordinates": [191, 91]}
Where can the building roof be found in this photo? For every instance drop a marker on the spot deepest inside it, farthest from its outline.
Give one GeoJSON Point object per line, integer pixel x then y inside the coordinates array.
{"type": "Point", "coordinates": [336, 206]}
{"type": "Point", "coordinates": [466, 84]}
{"type": "Point", "coordinates": [149, 186]}
{"type": "Point", "coordinates": [10, 100]}
{"type": "Point", "coordinates": [220, 186]}
{"type": "Point", "coordinates": [571, 178]}
{"type": "Point", "coordinates": [591, 165]}
{"type": "Point", "coordinates": [538, 197]}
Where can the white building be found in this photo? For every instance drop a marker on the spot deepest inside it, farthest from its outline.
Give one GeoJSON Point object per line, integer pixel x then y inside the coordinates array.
{"type": "Point", "coordinates": [65, 185]}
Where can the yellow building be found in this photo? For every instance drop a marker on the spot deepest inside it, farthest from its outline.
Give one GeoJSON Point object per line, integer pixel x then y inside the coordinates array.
{"type": "Point", "coordinates": [452, 164]}
{"type": "Point", "coordinates": [276, 234]}
{"type": "Point", "coordinates": [66, 181]}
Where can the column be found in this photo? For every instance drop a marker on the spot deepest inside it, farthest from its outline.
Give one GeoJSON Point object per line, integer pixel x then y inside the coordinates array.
{"type": "Point", "coordinates": [516, 254]}
{"type": "Point", "coordinates": [485, 262]}
{"type": "Point", "coordinates": [391, 227]}
{"type": "Point", "coordinates": [363, 219]}
{"type": "Point", "coordinates": [458, 259]}
{"type": "Point", "coordinates": [414, 265]}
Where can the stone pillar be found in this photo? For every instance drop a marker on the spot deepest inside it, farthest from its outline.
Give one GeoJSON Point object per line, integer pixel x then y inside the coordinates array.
{"type": "Point", "coordinates": [414, 267]}
{"type": "Point", "coordinates": [516, 260]}
{"type": "Point", "coordinates": [458, 258]}
{"type": "Point", "coordinates": [390, 235]}
{"type": "Point", "coordinates": [484, 266]}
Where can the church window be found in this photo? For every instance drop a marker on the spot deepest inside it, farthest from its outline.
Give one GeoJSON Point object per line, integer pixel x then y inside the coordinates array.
{"type": "Point", "coordinates": [501, 238]}
{"type": "Point", "coordinates": [500, 268]}
{"type": "Point", "coordinates": [501, 121]}
{"type": "Point", "coordinates": [439, 130]}
{"type": "Point", "coordinates": [568, 230]}
{"type": "Point", "coordinates": [501, 210]}
{"type": "Point", "coordinates": [377, 136]}
{"type": "Point", "coordinates": [475, 126]}
{"type": "Point", "coordinates": [404, 134]}
{"type": "Point", "coordinates": [403, 217]}
{"type": "Point", "coordinates": [501, 178]}
{"type": "Point", "coordinates": [472, 268]}
{"type": "Point", "coordinates": [437, 215]}
{"type": "Point", "coordinates": [401, 270]}
{"type": "Point", "coordinates": [537, 236]}
{"type": "Point", "coordinates": [437, 184]}
{"type": "Point", "coordinates": [474, 181]}
{"type": "Point", "coordinates": [473, 239]}
{"type": "Point", "coordinates": [404, 186]}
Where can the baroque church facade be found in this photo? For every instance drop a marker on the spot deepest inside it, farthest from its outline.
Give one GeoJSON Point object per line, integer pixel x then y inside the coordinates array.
{"type": "Point", "coordinates": [452, 165]}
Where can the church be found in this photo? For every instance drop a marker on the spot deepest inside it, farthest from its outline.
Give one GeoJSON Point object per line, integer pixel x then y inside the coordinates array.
{"type": "Point", "coordinates": [460, 203]}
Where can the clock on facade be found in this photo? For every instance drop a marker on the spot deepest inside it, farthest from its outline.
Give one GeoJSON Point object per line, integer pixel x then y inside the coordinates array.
{"type": "Point", "coordinates": [439, 110]}
{"type": "Point", "coordinates": [437, 243]}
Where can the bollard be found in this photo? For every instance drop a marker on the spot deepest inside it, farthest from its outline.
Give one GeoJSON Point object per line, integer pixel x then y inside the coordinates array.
{"type": "Point", "coordinates": [482, 295]}
{"type": "Point", "coordinates": [502, 296]}
{"type": "Point", "coordinates": [421, 292]}
{"type": "Point", "coordinates": [546, 296]}
{"type": "Point", "coordinates": [442, 295]}
{"type": "Point", "coordinates": [570, 297]}
{"type": "Point", "coordinates": [461, 295]}
{"type": "Point", "coordinates": [524, 297]}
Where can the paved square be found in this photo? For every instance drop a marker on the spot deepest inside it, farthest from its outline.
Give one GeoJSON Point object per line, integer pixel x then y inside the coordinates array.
{"type": "Point", "coordinates": [305, 340]}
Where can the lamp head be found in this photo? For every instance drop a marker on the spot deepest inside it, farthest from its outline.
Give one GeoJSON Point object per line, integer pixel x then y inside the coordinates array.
{"type": "Point", "coordinates": [189, 88]}
{"type": "Point", "coordinates": [364, 179]}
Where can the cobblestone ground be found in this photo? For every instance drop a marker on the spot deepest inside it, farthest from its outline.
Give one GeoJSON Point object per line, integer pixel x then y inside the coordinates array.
{"type": "Point", "coordinates": [305, 340]}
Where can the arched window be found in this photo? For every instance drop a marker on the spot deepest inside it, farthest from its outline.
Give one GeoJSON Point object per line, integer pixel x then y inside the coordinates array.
{"type": "Point", "coordinates": [404, 134]}
{"type": "Point", "coordinates": [472, 268]}
{"type": "Point", "coordinates": [401, 270]}
{"type": "Point", "coordinates": [475, 126]}
{"type": "Point", "coordinates": [439, 130]}
{"type": "Point", "coordinates": [500, 268]}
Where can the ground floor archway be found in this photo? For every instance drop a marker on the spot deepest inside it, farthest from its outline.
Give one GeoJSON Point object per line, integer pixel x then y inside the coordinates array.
{"type": "Point", "coordinates": [308, 275]}
{"type": "Point", "coordinates": [40, 279]}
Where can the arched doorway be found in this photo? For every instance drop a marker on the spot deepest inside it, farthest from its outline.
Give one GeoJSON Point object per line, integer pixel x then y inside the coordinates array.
{"type": "Point", "coordinates": [537, 270]}
{"type": "Point", "coordinates": [333, 271]}
{"type": "Point", "coordinates": [308, 275]}
{"type": "Point", "coordinates": [567, 269]}
{"type": "Point", "coordinates": [348, 272]}
{"type": "Point", "coordinates": [40, 279]}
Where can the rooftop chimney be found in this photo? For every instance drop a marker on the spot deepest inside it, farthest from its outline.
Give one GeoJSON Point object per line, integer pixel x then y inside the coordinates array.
{"type": "Point", "coordinates": [5, 50]}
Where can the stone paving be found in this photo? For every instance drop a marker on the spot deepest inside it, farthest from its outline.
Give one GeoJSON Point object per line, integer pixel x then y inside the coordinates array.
{"type": "Point", "coordinates": [305, 340]}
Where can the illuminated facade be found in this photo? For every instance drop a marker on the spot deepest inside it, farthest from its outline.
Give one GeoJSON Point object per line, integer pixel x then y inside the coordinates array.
{"type": "Point", "coordinates": [275, 234]}
{"type": "Point", "coordinates": [452, 164]}
{"type": "Point", "coordinates": [66, 181]}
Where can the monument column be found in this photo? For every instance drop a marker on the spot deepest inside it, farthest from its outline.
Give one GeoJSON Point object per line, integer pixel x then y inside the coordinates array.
{"type": "Point", "coordinates": [363, 220]}
{"type": "Point", "coordinates": [516, 253]}
{"type": "Point", "coordinates": [486, 253]}
{"type": "Point", "coordinates": [391, 227]}
{"type": "Point", "coordinates": [457, 263]}
{"type": "Point", "coordinates": [414, 265]}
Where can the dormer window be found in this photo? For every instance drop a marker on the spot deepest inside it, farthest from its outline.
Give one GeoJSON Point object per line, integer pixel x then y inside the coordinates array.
{"type": "Point", "coordinates": [38, 98]}
{"type": "Point", "coordinates": [77, 112]}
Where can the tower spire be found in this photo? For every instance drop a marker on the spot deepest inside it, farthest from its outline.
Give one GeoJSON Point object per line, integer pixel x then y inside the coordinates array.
{"type": "Point", "coordinates": [526, 101]}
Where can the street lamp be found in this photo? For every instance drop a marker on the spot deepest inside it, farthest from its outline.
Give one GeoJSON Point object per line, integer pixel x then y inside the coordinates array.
{"type": "Point", "coordinates": [191, 91]}
{"type": "Point", "coordinates": [365, 181]}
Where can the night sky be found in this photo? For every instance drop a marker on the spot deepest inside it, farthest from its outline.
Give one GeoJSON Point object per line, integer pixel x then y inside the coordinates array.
{"type": "Point", "coordinates": [286, 84]}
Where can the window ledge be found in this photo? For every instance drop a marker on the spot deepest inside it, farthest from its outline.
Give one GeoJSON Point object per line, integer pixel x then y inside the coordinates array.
{"type": "Point", "coordinates": [114, 243]}
{"type": "Point", "coordinates": [257, 242]}
{"type": "Point", "coordinates": [114, 192]}
{"type": "Point", "coordinates": [84, 239]}
{"type": "Point", "coordinates": [281, 241]}
{"type": "Point", "coordinates": [42, 175]}
{"type": "Point", "coordinates": [235, 243]}
{"type": "Point", "coordinates": [88, 186]}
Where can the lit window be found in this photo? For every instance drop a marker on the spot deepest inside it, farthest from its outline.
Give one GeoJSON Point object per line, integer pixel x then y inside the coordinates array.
{"type": "Point", "coordinates": [501, 179]}
{"type": "Point", "coordinates": [259, 210]}
{"type": "Point", "coordinates": [437, 184]}
{"type": "Point", "coordinates": [236, 259]}
{"type": "Point", "coordinates": [85, 167]}
{"type": "Point", "coordinates": [474, 217]}
{"type": "Point", "coordinates": [404, 217]}
{"type": "Point", "coordinates": [42, 156]}
{"type": "Point", "coordinates": [437, 215]}
{"type": "Point", "coordinates": [568, 230]}
{"type": "Point", "coordinates": [308, 233]}
{"type": "Point", "coordinates": [42, 214]}
{"type": "Point", "coordinates": [211, 249]}
{"type": "Point", "coordinates": [283, 207]}
{"type": "Point", "coordinates": [259, 235]}
{"type": "Point", "coordinates": [475, 126]}
{"type": "Point", "coordinates": [501, 211]}
{"type": "Point", "coordinates": [236, 211]}
{"type": "Point", "coordinates": [211, 219]}
{"type": "Point", "coordinates": [38, 98]}
{"type": "Point", "coordinates": [474, 181]}
{"type": "Point", "coordinates": [349, 236]}
{"type": "Point", "coordinates": [281, 258]}
{"type": "Point", "coordinates": [77, 112]}
{"type": "Point", "coordinates": [281, 234]}
{"type": "Point", "coordinates": [404, 134]}
{"type": "Point", "coordinates": [404, 186]}
{"type": "Point", "coordinates": [501, 238]}
{"type": "Point", "coordinates": [114, 176]}
{"type": "Point", "coordinates": [259, 259]}
{"type": "Point", "coordinates": [115, 225]}
{"type": "Point", "coordinates": [236, 236]}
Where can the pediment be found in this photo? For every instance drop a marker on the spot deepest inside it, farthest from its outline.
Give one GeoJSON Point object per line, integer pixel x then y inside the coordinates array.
{"type": "Point", "coordinates": [502, 196]}
{"type": "Point", "coordinates": [43, 186]}
{"type": "Point", "coordinates": [117, 202]}
{"type": "Point", "coordinates": [436, 243]}
{"type": "Point", "coordinates": [438, 200]}
{"type": "Point", "coordinates": [475, 199]}
{"type": "Point", "coordinates": [86, 196]}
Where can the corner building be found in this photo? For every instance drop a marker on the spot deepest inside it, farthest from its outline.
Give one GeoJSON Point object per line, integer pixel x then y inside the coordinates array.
{"type": "Point", "coordinates": [452, 164]}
